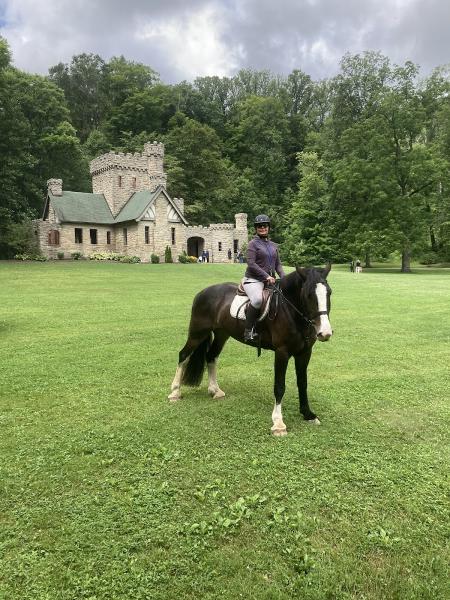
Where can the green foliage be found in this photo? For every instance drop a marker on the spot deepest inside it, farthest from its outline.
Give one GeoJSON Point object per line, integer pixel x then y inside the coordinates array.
{"type": "Point", "coordinates": [168, 255]}
{"type": "Point", "coordinates": [26, 256]}
{"type": "Point", "coordinates": [114, 256]}
{"type": "Point", "coordinates": [76, 255]}
{"type": "Point", "coordinates": [60, 255]}
{"type": "Point", "coordinates": [239, 144]}
{"type": "Point", "coordinates": [154, 259]}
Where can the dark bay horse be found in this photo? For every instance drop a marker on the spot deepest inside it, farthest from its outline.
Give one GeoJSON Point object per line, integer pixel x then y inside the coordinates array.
{"type": "Point", "coordinates": [301, 318]}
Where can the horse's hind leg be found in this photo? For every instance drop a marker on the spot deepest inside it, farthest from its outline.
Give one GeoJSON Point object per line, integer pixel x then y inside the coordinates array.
{"type": "Point", "coordinates": [185, 353]}
{"type": "Point", "coordinates": [220, 338]}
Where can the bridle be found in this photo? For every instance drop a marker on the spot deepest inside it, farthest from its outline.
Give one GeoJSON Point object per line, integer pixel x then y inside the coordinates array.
{"type": "Point", "coordinates": [278, 291]}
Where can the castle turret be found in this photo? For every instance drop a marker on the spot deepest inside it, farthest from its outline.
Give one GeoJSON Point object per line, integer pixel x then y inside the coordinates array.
{"type": "Point", "coordinates": [241, 231]}
{"type": "Point", "coordinates": [54, 187]}
{"type": "Point", "coordinates": [118, 176]}
{"type": "Point", "coordinates": [154, 152]}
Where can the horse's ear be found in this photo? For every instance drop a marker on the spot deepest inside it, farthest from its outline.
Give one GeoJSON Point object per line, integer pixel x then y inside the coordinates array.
{"type": "Point", "coordinates": [301, 271]}
{"type": "Point", "coordinates": [327, 270]}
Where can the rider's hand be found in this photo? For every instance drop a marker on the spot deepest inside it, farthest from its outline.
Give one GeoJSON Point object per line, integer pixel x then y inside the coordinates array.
{"type": "Point", "coordinates": [271, 280]}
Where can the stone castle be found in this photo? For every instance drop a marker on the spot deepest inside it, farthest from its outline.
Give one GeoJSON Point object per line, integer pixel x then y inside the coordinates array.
{"type": "Point", "coordinates": [131, 213]}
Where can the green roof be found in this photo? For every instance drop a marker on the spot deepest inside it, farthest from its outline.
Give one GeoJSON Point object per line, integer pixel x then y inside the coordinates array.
{"type": "Point", "coordinates": [80, 207]}
{"type": "Point", "coordinates": [135, 206]}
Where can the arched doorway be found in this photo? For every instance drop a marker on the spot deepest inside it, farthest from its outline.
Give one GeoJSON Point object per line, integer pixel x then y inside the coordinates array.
{"type": "Point", "coordinates": [195, 246]}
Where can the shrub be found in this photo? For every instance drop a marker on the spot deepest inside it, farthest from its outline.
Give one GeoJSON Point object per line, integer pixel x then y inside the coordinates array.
{"type": "Point", "coordinates": [192, 259]}
{"type": "Point", "coordinates": [130, 259]}
{"type": "Point", "coordinates": [25, 256]}
{"type": "Point", "coordinates": [182, 258]}
{"type": "Point", "coordinates": [154, 258]}
{"type": "Point", "coordinates": [106, 256]}
{"type": "Point", "coordinates": [429, 258]}
{"type": "Point", "coordinates": [76, 255]}
{"type": "Point", "coordinates": [168, 255]}
{"type": "Point", "coordinates": [60, 255]}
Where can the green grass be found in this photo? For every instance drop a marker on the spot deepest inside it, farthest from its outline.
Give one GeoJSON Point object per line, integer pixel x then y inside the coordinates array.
{"type": "Point", "coordinates": [108, 491]}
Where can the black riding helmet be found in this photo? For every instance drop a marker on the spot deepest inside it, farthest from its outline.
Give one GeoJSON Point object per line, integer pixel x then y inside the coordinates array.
{"type": "Point", "coordinates": [260, 219]}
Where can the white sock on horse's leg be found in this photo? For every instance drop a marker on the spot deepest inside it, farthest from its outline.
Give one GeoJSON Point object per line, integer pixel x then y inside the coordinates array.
{"type": "Point", "coordinates": [278, 427]}
{"type": "Point", "coordinates": [176, 383]}
{"type": "Point", "coordinates": [213, 387]}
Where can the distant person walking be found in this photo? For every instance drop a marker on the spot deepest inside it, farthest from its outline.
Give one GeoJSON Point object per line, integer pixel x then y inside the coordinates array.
{"type": "Point", "coordinates": [229, 254]}
{"type": "Point", "coordinates": [358, 268]}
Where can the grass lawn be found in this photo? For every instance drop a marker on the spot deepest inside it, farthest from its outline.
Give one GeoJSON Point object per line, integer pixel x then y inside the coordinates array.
{"type": "Point", "coordinates": [109, 492]}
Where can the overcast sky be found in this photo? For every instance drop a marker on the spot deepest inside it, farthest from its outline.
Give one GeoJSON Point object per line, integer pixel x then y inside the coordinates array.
{"type": "Point", "coordinates": [184, 39]}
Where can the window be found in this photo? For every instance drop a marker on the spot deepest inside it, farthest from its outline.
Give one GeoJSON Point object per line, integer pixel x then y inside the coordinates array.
{"type": "Point", "coordinates": [53, 238]}
{"type": "Point", "coordinates": [173, 235]}
{"type": "Point", "coordinates": [133, 182]}
{"type": "Point", "coordinates": [147, 234]}
{"type": "Point", "coordinates": [78, 235]}
{"type": "Point", "coordinates": [220, 246]}
{"type": "Point", "coordinates": [125, 236]}
{"type": "Point", "coordinates": [120, 180]}
{"type": "Point", "coordinates": [235, 246]}
{"type": "Point", "coordinates": [108, 237]}
{"type": "Point", "coordinates": [93, 234]}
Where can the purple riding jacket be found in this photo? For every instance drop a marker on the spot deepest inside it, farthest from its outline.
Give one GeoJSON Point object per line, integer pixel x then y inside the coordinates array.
{"type": "Point", "coordinates": [262, 259]}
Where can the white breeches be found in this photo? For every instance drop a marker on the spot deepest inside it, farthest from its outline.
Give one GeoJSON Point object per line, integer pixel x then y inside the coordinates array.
{"type": "Point", "coordinates": [254, 290]}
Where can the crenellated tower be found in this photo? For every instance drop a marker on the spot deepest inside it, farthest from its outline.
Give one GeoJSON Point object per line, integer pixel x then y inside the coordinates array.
{"type": "Point", "coordinates": [117, 175]}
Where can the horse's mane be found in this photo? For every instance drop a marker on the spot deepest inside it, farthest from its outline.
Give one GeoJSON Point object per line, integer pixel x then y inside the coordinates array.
{"type": "Point", "coordinates": [293, 281]}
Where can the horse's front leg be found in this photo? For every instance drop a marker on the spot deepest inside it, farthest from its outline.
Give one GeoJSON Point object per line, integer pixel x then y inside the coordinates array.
{"type": "Point", "coordinates": [281, 363]}
{"type": "Point", "coordinates": [301, 369]}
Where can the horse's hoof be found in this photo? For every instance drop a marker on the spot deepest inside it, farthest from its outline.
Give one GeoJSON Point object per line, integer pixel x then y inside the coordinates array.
{"type": "Point", "coordinates": [314, 421]}
{"type": "Point", "coordinates": [219, 394]}
{"type": "Point", "coordinates": [279, 432]}
{"type": "Point", "coordinates": [278, 429]}
{"type": "Point", "coordinates": [174, 396]}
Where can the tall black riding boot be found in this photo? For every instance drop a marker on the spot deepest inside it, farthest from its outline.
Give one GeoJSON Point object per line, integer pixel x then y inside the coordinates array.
{"type": "Point", "coordinates": [250, 320]}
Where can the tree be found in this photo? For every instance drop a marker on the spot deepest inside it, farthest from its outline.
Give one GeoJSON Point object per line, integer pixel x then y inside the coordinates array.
{"type": "Point", "coordinates": [198, 154]}
{"type": "Point", "coordinates": [85, 88]}
{"type": "Point", "coordinates": [307, 238]}
{"type": "Point", "coordinates": [257, 137]}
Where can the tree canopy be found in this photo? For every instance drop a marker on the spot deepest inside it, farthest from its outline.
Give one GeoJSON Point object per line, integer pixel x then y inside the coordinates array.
{"type": "Point", "coordinates": [356, 165]}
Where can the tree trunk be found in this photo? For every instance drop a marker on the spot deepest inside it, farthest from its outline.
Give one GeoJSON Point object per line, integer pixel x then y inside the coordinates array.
{"type": "Point", "coordinates": [434, 246]}
{"type": "Point", "coordinates": [367, 261]}
{"type": "Point", "coordinates": [406, 261]}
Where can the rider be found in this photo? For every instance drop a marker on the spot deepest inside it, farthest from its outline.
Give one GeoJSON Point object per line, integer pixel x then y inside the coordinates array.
{"type": "Point", "coordinates": [263, 262]}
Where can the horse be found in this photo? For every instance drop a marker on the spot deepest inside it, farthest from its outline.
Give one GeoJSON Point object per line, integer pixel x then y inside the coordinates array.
{"type": "Point", "coordinates": [302, 317]}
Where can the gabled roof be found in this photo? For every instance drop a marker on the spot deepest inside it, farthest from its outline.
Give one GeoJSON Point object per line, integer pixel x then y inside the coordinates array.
{"type": "Point", "coordinates": [135, 206]}
{"type": "Point", "coordinates": [80, 207]}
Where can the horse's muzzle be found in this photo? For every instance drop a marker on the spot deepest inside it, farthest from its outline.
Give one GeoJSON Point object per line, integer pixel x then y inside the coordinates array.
{"type": "Point", "coordinates": [324, 336]}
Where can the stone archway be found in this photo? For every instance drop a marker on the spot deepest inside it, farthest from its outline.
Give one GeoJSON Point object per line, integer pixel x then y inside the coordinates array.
{"type": "Point", "coordinates": [195, 246]}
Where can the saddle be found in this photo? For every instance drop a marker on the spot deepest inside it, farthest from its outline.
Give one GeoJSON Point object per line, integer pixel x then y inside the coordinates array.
{"type": "Point", "coordinates": [240, 302]}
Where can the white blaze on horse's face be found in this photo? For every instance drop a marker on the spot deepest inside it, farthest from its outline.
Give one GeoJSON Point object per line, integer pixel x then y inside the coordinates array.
{"type": "Point", "coordinates": [323, 330]}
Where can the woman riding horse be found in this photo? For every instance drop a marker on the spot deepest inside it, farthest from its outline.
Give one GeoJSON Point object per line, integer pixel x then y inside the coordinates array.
{"type": "Point", "coordinates": [263, 262]}
{"type": "Point", "coordinates": [300, 319]}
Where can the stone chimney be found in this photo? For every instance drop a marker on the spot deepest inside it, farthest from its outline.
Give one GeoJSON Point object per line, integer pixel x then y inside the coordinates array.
{"type": "Point", "coordinates": [180, 203]}
{"type": "Point", "coordinates": [54, 187]}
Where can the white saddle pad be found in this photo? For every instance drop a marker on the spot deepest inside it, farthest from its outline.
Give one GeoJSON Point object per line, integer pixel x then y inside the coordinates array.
{"type": "Point", "coordinates": [237, 308]}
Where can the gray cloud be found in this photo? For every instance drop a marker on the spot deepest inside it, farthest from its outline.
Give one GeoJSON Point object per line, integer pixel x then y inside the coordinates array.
{"type": "Point", "coordinates": [183, 40]}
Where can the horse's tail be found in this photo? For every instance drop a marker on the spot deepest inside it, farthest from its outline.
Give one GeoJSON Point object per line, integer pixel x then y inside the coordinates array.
{"type": "Point", "coordinates": [193, 371]}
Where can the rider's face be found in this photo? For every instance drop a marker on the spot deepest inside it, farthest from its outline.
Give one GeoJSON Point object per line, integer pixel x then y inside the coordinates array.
{"type": "Point", "coordinates": [262, 229]}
